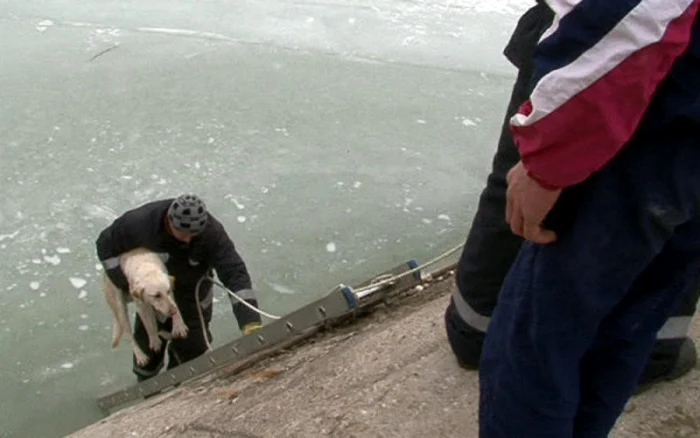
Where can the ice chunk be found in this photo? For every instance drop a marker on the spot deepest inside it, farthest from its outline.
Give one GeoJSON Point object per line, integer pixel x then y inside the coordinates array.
{"type": "Point", "coordinates": [67, 366]}
{"type": "Point", "coordinates": [241, 219]}
{"type": "Point", "coordinates": [467, 122]}
{"type": "Point", "coordinates": [330, 247]}
{"type": "Point", "coordinates": [83, 328]}
{"type": "Point", "coordinates": [82, 295]}
{"type": "Point", "coordinates": [43, 25]}
{"type": "Point", "coordinates": [444, 217]}
{"type": "Point", "coordinates": [34, 285]}
{"type": "Point", "coordinates": [8, 236]}
{"type": "Point", "coordinates": [63, 250]}
{"type": "Point", "coordinates": [282, 289]}
{"type": "Point", "coordinates": [54, 259]}
{"type": "Point", "coordinates": [77, 282]}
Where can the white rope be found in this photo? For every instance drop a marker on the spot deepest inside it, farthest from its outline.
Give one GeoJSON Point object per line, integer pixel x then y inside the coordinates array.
{"type": "Point", "coordinates": [242, 301]}
{"type": "Point", "coordinates": [393, 278]}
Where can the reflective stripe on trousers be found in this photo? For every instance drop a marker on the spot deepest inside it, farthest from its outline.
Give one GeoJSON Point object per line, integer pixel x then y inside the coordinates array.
{"type": "Point", "coordinates": [675, 327]}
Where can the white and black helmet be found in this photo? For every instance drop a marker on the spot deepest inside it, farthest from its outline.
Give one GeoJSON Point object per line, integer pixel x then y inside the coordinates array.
{"type": "Point", "coordinates": [188, 214]}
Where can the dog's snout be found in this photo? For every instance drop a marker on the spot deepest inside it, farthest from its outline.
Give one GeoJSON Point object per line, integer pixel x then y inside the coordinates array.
{"type": "Point", "coordinates": [173, 311]}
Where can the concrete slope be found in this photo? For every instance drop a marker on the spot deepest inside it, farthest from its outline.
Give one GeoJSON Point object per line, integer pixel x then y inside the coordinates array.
{"type": "Point", "coordinates": [389, 374]}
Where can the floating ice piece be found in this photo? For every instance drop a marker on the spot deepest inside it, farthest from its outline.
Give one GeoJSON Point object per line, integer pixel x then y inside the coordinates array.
{"type": "Point", "coordinates": [282, 289]}
{"type": "Point", "coordinates": [34, 285]}
{"type": "Point", "coordinates": [241, 219]}
{"type": "Point", "coordinates": [357, 184]}
{"type": "Point", "coordinates": [444, 217]}
{"type": "Point", "coordinates": [54, 259]}
{"type": "Point", "coordinates": [83, 328]}
{"type": "Point", "coordinates": [467, 122]}
{"type": "Point", "coordinates": [8, 236]}
{"type": "Point", "coordinates": [43, 25]}
{"type": "Point", "coordinates": [330, 247]}
{"type": "Point", "coordinates": [82, 295]}
{"type": "Point", "coordinates": [238, 204]}
{"type": "Point", "coordinates": [77, 282]}
{"type": "Point", "coordinates": [67, 366]}
{"type": "Point", "coordinates": [62, 250]}
{"type": "Point", "coordinates": [421, 122]}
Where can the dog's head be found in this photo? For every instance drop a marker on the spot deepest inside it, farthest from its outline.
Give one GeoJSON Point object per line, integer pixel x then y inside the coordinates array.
{"type": "Point", "coordinates": [156, 291]}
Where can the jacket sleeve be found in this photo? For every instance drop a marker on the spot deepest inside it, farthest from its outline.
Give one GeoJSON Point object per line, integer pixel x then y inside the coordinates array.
{"type": "Point", "coordinates": [111, 243]}
{"type": "Point", "coordinates": [596, 69]}
{"type": "Point", "coordinates": [232, 271]}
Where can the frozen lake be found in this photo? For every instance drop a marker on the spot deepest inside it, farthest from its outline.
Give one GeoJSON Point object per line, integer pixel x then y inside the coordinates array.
{"type": "Point", "coordinates": [334, 139]}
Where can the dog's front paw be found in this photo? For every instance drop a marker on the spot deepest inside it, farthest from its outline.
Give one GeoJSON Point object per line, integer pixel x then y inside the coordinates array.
{"type": "Point", "coordinates": [141, 358]}
{"type": "Point", "coordinates": [180, 330]}
{"type": "Point", "coordinates": [155, 343]}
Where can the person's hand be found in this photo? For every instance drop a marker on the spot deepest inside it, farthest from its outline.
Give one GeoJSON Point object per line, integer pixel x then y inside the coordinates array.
{"type": "Point", "coordinates": [251, 327]}
{"type": "Point", "coordinates": [527, 205]}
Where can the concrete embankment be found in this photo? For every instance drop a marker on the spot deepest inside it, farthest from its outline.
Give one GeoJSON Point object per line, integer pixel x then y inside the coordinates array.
{"type": "Point", "coordinates": [389, 373]}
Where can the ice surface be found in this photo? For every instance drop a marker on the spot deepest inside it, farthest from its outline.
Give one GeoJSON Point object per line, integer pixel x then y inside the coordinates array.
{"type": "Point", "coordinates": [288, 99]}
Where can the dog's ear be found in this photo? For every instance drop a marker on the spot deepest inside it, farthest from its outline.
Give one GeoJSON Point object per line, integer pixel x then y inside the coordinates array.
{"type": "Point", "coordinates": [137, 293]}
{"type": "Point", "coordinates": [172, 282]}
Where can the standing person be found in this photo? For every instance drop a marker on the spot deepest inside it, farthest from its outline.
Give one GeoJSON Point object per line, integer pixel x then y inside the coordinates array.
{"type": "Point", "coordinates": [607, 196]}
{"type": "Point", "coordinates": [491, 247]}
{"type": "Point", "coordinates": [193, 243]}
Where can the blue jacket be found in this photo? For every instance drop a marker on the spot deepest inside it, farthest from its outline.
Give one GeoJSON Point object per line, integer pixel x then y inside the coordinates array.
{"type": "Point", "coordinates": [604, 69]}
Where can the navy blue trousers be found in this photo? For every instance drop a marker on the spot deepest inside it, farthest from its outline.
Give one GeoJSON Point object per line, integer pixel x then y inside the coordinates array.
{"type": "Point", "coordinates": [577, 319]}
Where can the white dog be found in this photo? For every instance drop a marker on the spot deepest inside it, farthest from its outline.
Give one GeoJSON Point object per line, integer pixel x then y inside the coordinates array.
{"type": "Point", "coordinates": [151, 288]}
